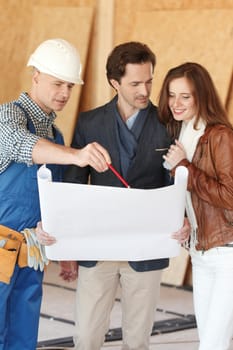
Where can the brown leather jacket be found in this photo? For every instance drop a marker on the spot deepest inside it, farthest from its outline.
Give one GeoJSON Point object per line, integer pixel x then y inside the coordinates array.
{"type": "Point", "coordinates": [210, 182]}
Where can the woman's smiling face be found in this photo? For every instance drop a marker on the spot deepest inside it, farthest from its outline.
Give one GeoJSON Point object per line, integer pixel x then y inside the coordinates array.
{"type": "Point", "coordinates": [181, 100]}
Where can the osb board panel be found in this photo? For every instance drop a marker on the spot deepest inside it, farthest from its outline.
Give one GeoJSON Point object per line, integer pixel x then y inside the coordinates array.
{"type": "Point", "coordinates": [230, 101]}
{"type": "Point", "coordinates": [12, 48]}
{"type": "Point", "coordinates": [125, 9]}
{"type": "Point", "coordinates": [188, 35]}
{"type": "Point", "coordinates": [84, 3]}
{"type": "Point", "coordinates": [97, 90]}
{"type": "Point", "coordinates": [176, 271]}
{"type": "Point", "coordinates": [148, 5]}
{"type": "Point", "coordinates": [70, 23]}
{"type": "Point", "coordinates": [188, 280]}
{"type": "Point", "coordinates": [14, 39]}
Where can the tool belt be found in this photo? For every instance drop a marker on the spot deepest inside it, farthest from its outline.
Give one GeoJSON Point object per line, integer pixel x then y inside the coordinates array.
{"type": "Point", "coordinates": [13, 251]}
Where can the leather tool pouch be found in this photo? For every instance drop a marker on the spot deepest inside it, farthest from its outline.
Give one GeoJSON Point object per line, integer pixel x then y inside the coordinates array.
{"type": "Point", "coordinates": [23, 255]}
{"type": "Point", "coordinates": [10, 252]}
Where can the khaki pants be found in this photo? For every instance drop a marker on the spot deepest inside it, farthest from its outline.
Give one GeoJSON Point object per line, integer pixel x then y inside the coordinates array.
{"type": "Point", "coordinates": [95, 297]}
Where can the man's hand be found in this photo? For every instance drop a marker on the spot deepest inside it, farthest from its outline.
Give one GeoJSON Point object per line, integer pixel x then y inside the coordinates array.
{"type": "Point", "coordinates": [69, 270]}
{"type": "Point", "coordinates": [42, 236]}
{"type": "Point", "coordinates": [183, 234]}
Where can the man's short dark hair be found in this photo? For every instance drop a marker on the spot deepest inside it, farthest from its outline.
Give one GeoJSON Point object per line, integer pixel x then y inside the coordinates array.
{"type": "Point", "coordinates": [129, 52]}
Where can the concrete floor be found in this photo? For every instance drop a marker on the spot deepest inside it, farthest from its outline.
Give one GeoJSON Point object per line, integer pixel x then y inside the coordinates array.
{"type": "Point", "coordinates": [174, 319]}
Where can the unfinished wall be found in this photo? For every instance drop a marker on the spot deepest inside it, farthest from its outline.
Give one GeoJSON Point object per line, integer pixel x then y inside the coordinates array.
{"type": "Point", "coordinates": [200, 30]}
{"type": "Point", "coordinates": [176, 30]}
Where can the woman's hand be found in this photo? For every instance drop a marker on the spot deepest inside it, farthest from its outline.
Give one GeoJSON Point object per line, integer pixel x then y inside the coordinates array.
{"type": "Point", "coordinates": [183, 234]}
{"type": "Point", "coordinates": [175, 154]}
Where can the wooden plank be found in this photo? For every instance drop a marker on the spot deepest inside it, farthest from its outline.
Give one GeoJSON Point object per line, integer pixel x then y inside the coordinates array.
{"type": "Point", "coordinates": [12, 47]}
{"type": "Point", "coordinates": [97, 90]}
{"type": "Point", "coordinates": [125, 9]}
{"type": "Point", "coordinates": [204, 36]}
{"type": "Point", "coordinates": [70, 23]}
{"type": "Point", "coordinates": [229, 104]}
{"type": "Point", "coordinates": [176, 272]}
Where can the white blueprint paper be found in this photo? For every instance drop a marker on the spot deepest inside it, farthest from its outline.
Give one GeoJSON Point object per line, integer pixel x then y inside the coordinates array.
{"type": "Point", "coordinates": [109, 223]}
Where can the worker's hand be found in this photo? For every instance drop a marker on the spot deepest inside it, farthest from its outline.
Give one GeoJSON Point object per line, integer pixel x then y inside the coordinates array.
{"type": "Point", "coordinates": [94, 155]}
{"type": "Point", "coordinates": [69, 270]}
{"type": "Point", "coordinates": [183, 234]}
{"type": "Point", "coordinates": [36, 257]}
{"type": "Point", "coordinates": [42, 236]}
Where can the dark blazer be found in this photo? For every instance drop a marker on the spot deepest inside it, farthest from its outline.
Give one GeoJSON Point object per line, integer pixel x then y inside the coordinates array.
{"type": "Point", "coordinates": [146, 170]}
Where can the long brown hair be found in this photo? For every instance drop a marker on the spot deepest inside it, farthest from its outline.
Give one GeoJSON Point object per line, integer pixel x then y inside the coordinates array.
{"type": "Point", "coordinates": [208, 103]}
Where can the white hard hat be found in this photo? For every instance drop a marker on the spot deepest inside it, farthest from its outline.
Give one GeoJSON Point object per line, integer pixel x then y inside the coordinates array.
{"type": "Point", "coordinates": [58, 58]}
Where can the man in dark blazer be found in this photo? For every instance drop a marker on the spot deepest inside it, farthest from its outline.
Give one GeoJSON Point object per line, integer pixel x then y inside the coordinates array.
{"type": "Point", "coordinates": [129, 128]}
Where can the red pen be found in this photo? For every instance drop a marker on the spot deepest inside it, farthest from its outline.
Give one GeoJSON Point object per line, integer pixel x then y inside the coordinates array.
{"type": "Point", "coordinates": [118, 175]}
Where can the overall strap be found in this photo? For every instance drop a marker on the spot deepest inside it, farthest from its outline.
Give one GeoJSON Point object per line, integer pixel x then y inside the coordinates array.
{"type": "Point", "coordinates": [58, 138]}
{"type": "Point", "coordinates": [30, 124]}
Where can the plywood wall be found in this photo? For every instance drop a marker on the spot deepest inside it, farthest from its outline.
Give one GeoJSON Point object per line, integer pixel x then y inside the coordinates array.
{"type": "Point", "coordinates": [229, 103]}
{"type": "Point", "coordinates": [177, 30]}
{"type": "Point", "coordinates": [115, 21]}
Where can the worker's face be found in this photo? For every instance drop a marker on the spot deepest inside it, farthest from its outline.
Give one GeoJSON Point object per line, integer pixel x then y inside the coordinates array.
{"type": "Point", "coordinates": [50, 93]}
{"type": "Point", "coordinates": [181, 100]}
{"type": "Point", "coordinates": [134, 88]}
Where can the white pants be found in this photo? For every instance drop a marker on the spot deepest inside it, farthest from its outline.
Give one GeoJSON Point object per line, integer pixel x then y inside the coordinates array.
{"type": "Point", "coordinates": [213, 296]}
{"type": "Point", "coordinates": [96, 291]}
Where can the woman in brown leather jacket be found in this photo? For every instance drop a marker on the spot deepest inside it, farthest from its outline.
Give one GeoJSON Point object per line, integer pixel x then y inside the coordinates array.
{"type": "Point", "coordinates": [203, 142]}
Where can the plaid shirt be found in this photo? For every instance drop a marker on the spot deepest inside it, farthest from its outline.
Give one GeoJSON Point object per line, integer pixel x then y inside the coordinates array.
{"type": "Point", "coordinates": [16, 141]}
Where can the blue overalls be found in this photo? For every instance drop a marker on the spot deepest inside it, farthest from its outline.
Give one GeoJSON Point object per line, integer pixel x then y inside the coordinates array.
{"type": "Point", "coordinates": [20, 300]}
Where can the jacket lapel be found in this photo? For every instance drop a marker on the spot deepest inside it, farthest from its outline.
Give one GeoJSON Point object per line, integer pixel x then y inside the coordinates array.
{"type": "Point", "coordinates": [110, 125]}
{"type": "Point", "coordinates": [143, 143]}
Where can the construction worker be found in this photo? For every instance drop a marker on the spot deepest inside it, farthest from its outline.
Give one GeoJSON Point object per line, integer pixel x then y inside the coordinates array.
{"type": "Point", "coordinates": [28, 137]}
